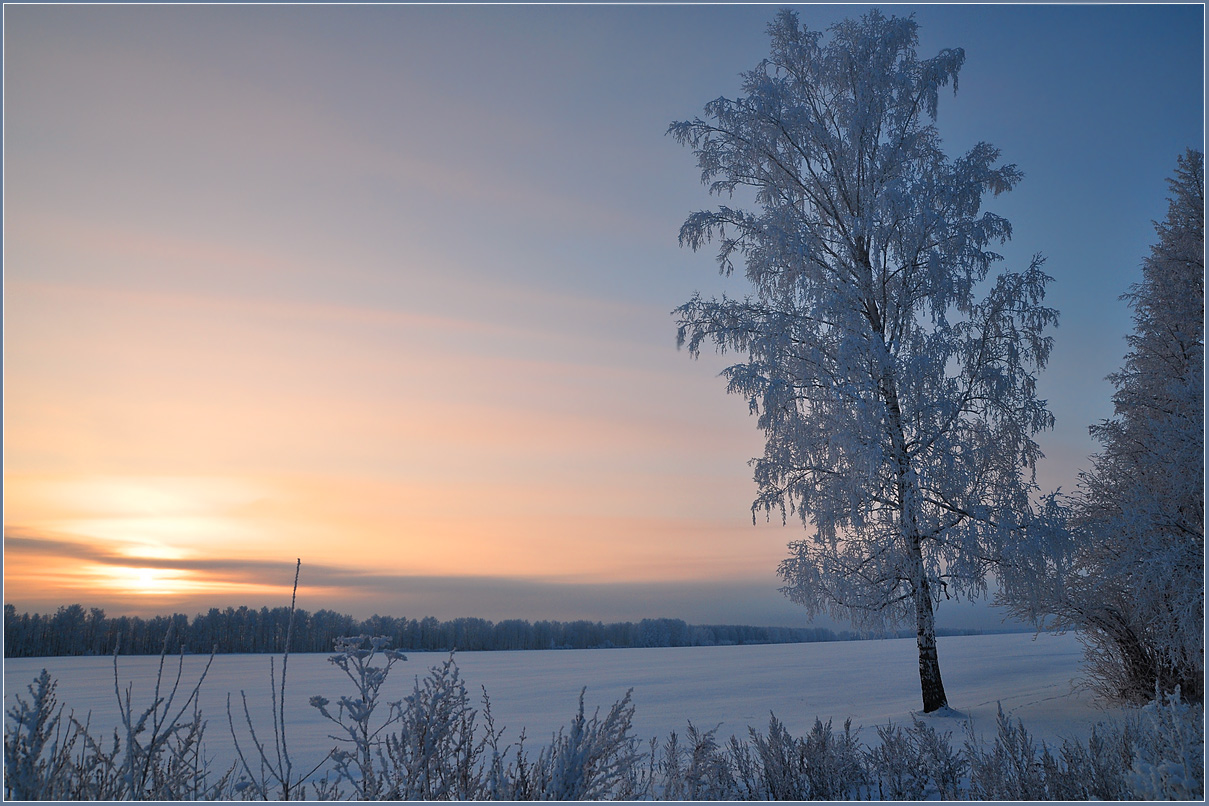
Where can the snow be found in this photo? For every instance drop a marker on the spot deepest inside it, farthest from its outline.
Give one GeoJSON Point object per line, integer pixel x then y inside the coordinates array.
{"type": "Point", "coordinates": [892, 373]}
{"type": "Point", "coordinates": [871, 682]}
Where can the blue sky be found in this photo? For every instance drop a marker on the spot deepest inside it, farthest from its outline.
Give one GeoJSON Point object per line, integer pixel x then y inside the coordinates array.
{"type": "Point", "coordinates": [388, 287]}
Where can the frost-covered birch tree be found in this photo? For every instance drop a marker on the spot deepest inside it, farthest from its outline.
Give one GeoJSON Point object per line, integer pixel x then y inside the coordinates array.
{"type": "Point", "coordinates": [1135, 582]}
{"type": "Point", "coordinates": [893, 377]}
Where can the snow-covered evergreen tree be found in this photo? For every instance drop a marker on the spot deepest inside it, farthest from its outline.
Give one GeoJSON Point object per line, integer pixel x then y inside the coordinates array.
{"type": "Point", "coordinates": [895, 388]}
{"type": "Point", "coordinates": [1136, 581]}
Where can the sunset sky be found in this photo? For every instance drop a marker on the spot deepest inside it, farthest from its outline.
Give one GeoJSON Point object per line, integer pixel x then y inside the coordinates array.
{"type": "Point", "coordinates": [388, 288]}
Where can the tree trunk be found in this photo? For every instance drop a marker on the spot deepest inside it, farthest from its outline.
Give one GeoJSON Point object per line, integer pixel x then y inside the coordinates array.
{"type": "Point", "coordinates": [908, 500]}
{"type": "Point", "coordinates": [925, 637]}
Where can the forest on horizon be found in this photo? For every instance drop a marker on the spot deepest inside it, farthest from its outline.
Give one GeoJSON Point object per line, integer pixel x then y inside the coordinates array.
{"type": "Point", "coordinates": [76, 630]}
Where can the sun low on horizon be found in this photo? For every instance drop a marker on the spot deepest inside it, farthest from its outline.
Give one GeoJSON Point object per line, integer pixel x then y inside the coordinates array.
{"type": "Point", "coordinates": [388, 289]}
{"type": "Point", "coordinates": [364, 457]}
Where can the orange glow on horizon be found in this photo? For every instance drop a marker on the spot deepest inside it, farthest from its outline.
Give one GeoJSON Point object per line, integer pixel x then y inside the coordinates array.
{"type": "Point", "coordinates": [173, 538]}
{"type": "Point", "coordinates": [177, 442]}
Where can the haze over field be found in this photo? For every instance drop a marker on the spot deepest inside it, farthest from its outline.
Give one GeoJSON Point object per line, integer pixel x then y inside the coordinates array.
{"type": "Point", "coordinates": [388, 288]}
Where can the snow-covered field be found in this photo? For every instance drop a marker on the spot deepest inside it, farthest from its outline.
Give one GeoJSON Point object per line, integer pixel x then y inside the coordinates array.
{"type": "Point", "coordinates": [871, 682]}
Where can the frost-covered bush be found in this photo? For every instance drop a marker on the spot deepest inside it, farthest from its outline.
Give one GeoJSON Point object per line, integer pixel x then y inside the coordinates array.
{"type": "Point", "coordinates": [1015, 768]}
{"type": "Point", "coordinates": [1091, 771]}
{"type": "Point", "coordinates": [155, 755]}
{"type": "Point", "coordinates": [772, 767]}
{"type": "Point", "coordinates": [897, 767]}
{"type": "Point", "coordinates": [1010, 769]}
{"type": "Point", "coordinates": [697, 769]}
{"type": "Point", "coordinates": [593, 759]}
{"type": "Point", "coordinates": [1129, 573]}
{"type": "Point", "coordinates": [274, 773]}
{"type": "Point", "coordinates": [37, 744]}
{"type": "Point", "coordinates": [913, 763]}
{"type": "Point", "coordinates": [434, 754]}
{"type": "Point", "coordinates": [1170, 760]}
{"type": "Point", "coordinates": [834, 764]}
{"type": "Point", "coordinates": [429, 746]}
{"type": "Point", "coordinates": [945, 766]}
{"type": "Point", "coordinates": [1156, 753]}
{"type": "Point", "coordinates": [360, 740]}
{"type": "Point", "coordinates": [822, 766]}
{"type": "Point", "coordinates": [162, 758]}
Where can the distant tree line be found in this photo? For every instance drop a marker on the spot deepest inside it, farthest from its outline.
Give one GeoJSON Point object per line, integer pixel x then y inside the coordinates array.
{"type": "Point", "coordinates": [76, 630]}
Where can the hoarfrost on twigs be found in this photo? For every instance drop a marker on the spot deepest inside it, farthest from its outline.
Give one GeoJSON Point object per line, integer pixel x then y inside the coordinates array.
{"type": "Point", "coordinates": [897, 398]}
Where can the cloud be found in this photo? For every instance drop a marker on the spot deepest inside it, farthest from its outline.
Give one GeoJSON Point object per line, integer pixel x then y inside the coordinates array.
{"type": "Point", "coordinates": [26, 541]}
{"type": "Point", "coordinates": [364, 592]}
{"type": "Point", "coordinates": [266, 583]}
{"type": "Point", "coordinates": [22, 542]}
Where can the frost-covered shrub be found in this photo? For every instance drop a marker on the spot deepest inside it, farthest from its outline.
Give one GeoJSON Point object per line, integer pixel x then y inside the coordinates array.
{"type": "Point", "coordinates": [37, 744]}
{"type": "Point", "coordinates": [1156, 753]}
{"type": "Point", "coordinates": [1133, 583]}
{"type": "Point", "coordinates": [945, 766]}
{"type": "Point", "coordinates": [429, 745]}
{"type": "Point", "coordinates": [270, 772]}
{"type": "Point", "coordinates": [592, 760]}
{"type": "Point", "coordinates": [1094, 770]}
{"type": "Point", "coordinates": [897, 766]}
{"type": "Point", "coordinates": [782, 762]}
{"type": "Point", "coordinates": [822, 766]}
{"type": "Point", "coordinates": [274, 773]}
{"type": "Point", "coordinates": [155, 755]}
{"type": "Point", "coordinates": [1170, 760]}
{"type": "Point", "coordinates": [1015, 769]}
{"type": "Point", "coordinates": [834, 763]}
{"type": "Point", "coordinates": [434, 755]}
{"type": "Point", "coordinates": [360, 740]}
{"type": "Point", "coordinates": [1011, 770]}
{"type": "Point", "coordinates": [162, 758]}
{"type": "Point", "coordinates": [698, 769]}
